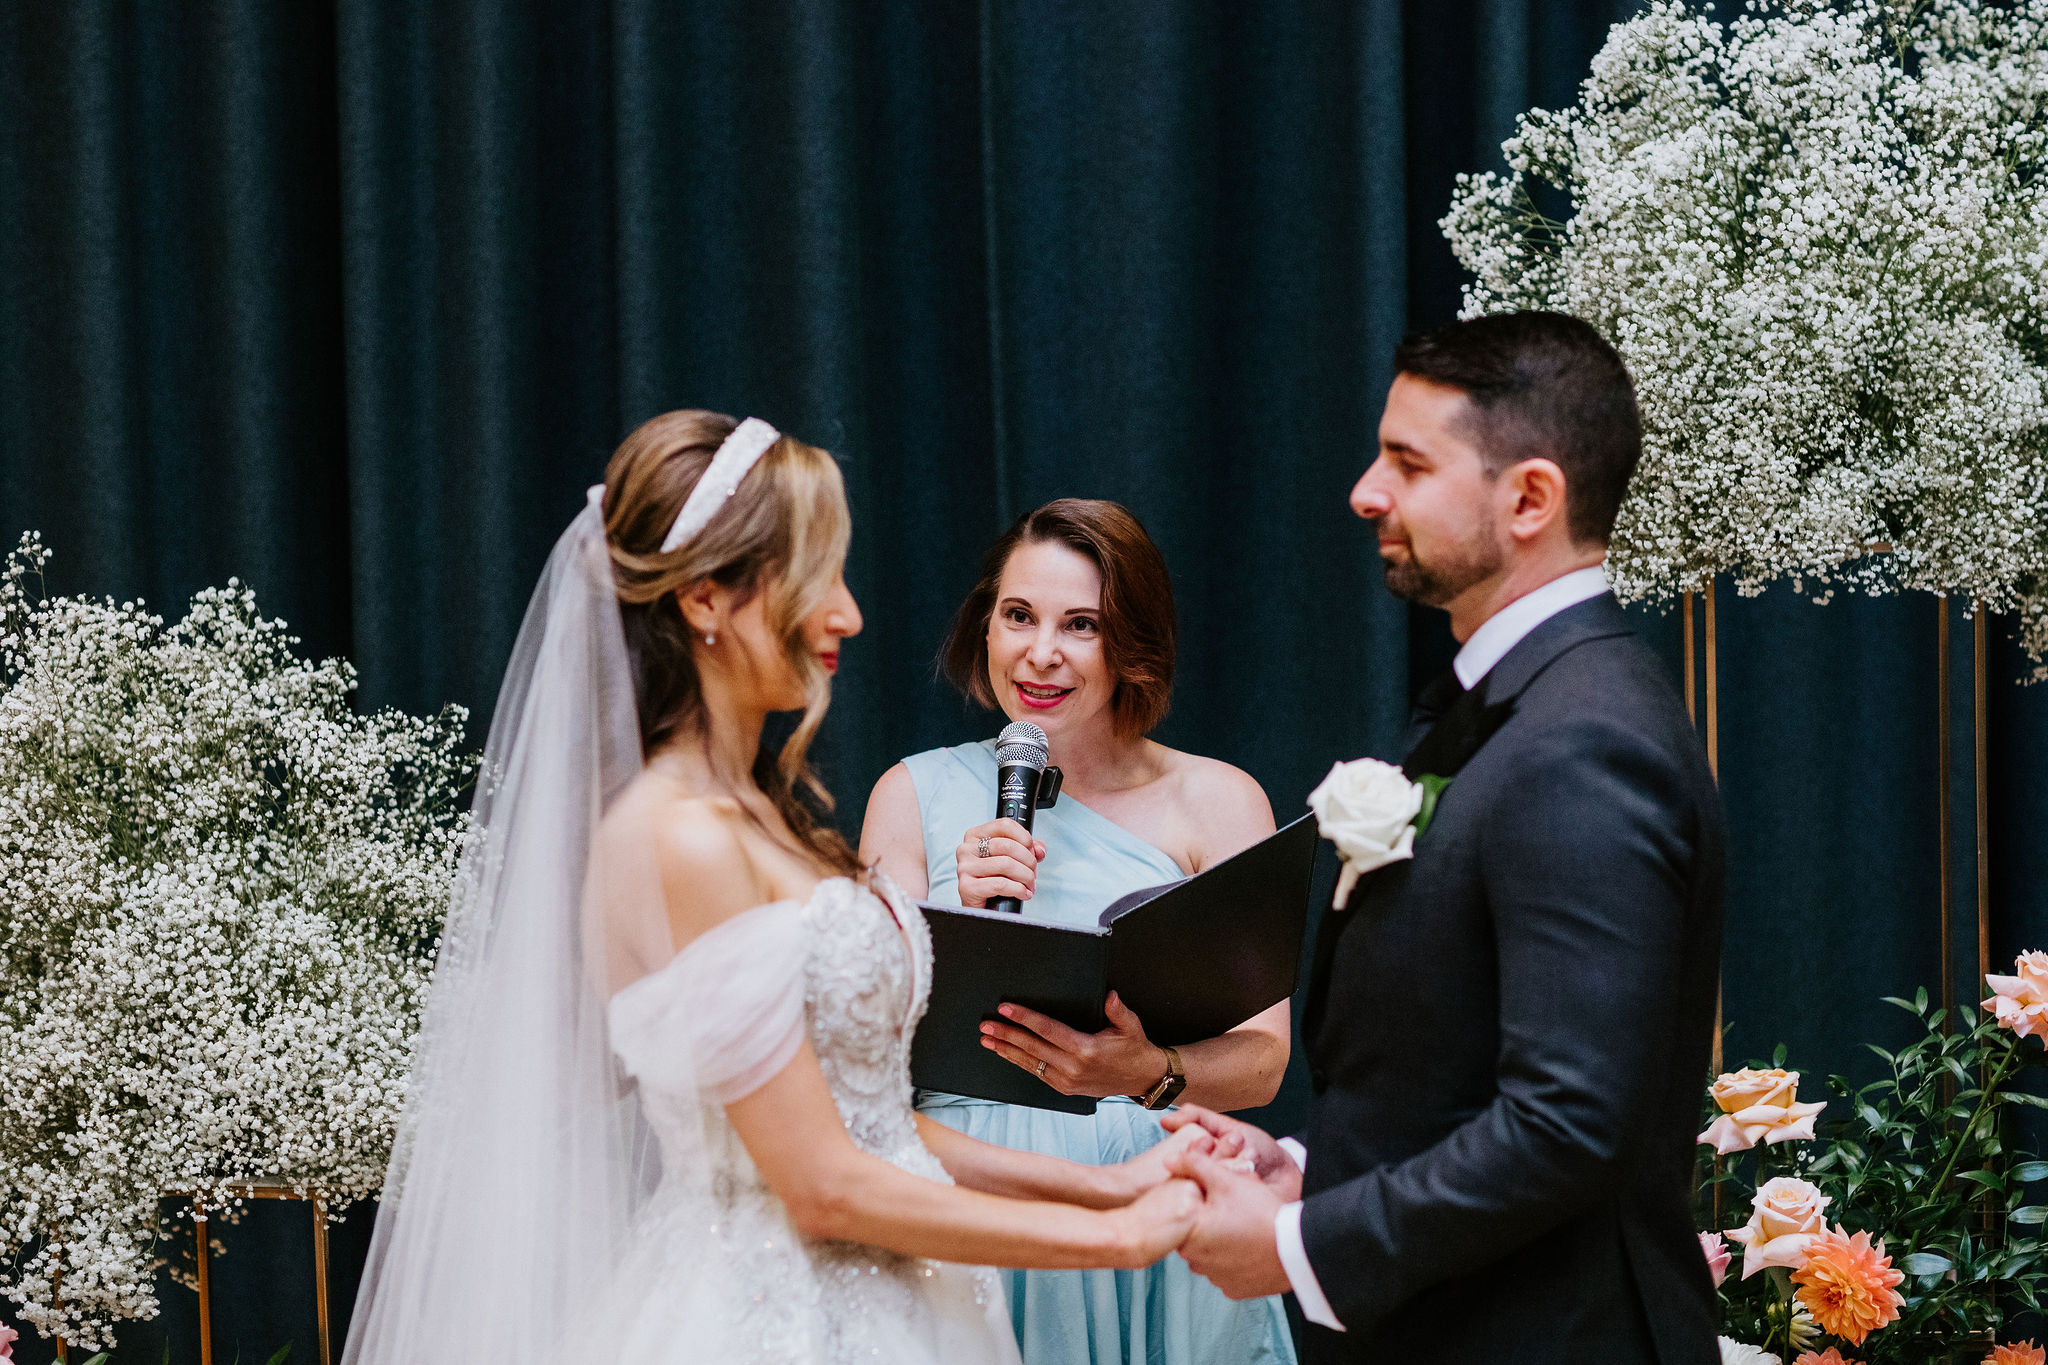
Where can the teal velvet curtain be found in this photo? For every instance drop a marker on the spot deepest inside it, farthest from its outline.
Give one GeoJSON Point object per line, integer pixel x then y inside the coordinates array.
{"type": "Point", "coordinates": [351, 300]}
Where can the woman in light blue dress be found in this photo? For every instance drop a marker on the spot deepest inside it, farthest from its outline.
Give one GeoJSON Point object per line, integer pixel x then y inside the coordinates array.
{"type": "Point", "coordinates": [1071, 627]}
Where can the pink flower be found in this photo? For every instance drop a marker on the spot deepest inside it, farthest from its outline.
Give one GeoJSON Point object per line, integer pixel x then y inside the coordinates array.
{"type": "Point", "coordinates": [8, 1336]}
{"type": "Point", "coordinates": [1758, 1106]}
{"type": "Point", "coordinates": [2020, 1002]}
{"type": "Point", "coordinates": [1789, 1213]}
{"type": "Point", "coordinates": [1715, 1246]}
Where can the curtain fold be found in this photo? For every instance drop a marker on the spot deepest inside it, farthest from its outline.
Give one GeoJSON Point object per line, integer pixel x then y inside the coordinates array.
{"type": "Point", "coordinates": [352, 300]}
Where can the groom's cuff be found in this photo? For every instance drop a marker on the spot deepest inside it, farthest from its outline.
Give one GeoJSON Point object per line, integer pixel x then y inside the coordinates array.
{"type": "Point", "coordinates": [1295, 1151]}
{"type": "Point", "coordinates": [1301, 1276]}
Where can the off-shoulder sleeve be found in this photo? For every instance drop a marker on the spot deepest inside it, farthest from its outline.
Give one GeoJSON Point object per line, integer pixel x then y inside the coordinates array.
{"type": "Point", "coordinates": [725, 1015]}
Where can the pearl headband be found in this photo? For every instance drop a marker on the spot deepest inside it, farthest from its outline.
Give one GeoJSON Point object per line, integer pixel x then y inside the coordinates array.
{"type": "Point", "coordinates": [737, 454]}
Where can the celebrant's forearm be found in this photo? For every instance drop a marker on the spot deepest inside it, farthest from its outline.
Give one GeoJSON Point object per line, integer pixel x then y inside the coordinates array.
{"type": "Point", "coordinates": [1239, 1070]}
{"type": "Point", "coordinates": [984, 1166]}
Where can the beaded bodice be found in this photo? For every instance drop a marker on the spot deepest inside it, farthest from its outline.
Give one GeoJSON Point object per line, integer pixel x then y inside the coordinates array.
{"type": "Point", "coordinates": [866, 968]}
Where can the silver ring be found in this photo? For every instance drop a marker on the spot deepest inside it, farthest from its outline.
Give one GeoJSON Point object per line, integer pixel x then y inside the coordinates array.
{"type": "Point", "coordinates": [984, 846]}
{"type": "Point", "coordinates": [1041, 1071]}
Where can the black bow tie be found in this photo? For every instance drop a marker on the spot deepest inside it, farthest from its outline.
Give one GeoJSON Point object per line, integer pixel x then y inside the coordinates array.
{"type": "Point", "coordinates": [1458, 721]}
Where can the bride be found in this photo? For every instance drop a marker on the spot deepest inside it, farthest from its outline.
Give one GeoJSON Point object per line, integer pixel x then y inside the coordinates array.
{"type": "Point", "coordinates": [661, 1105]}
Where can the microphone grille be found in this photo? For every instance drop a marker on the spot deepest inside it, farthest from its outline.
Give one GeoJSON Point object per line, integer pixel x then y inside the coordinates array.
{"type": "Point", "coordinates": [1022, 742]}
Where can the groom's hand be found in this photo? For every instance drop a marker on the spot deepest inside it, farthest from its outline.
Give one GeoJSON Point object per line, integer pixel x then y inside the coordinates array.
{"type": "Point", "coordinates": [1232, 1245]}
{"type": "Point", "coordinates": [1236, 1138]}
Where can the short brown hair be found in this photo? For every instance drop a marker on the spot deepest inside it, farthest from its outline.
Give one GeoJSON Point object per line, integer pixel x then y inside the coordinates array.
{"type": "Point", "coordinates": [1542, 385]}
{"type": "Point", "coordinates": [1137, 608]}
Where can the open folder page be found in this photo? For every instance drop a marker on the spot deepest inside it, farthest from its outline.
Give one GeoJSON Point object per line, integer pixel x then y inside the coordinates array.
{"type": "Point", "coordinates": [1192, 959]}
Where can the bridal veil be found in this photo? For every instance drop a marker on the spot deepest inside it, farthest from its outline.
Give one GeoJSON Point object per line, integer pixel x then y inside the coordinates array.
{"type": "Point", "coordinates": [522, 1152]}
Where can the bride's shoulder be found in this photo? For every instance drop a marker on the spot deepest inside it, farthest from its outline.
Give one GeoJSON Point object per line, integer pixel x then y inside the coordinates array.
{"type": "Point", "coordinates": [708, 872]}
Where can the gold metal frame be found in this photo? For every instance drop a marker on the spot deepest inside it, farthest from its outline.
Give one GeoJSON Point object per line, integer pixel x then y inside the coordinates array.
{"type": "Point", "coordinates": [1711, 690]}
{"type": "Point", "coordinates": [263, 1190]}
{"type": "Point", "coordinates": [1980, 792]}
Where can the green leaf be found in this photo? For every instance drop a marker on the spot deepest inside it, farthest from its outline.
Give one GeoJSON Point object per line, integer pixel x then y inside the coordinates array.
{"type": "Point", "coordinates": [1926, 1263]}
{"type": "Point", "coordinates": [1871, 1116]}
{"type": "Point", "coordinates": [2022, 1097]}
{"type": "Point", "coordinates": [1988, 1179]}
{"type": "Point", "coordinates": [1906, 1005]}
{"type": "Point", "coordinates": [283, 1352]}
{"type": "Point", "coordinates": [1432, 789]}
{"type": "Point", "coordinates": [2029, 1213]}
{"type": "Point", "coordinates": [1889, 1059]}
{"type": "Point", "coordinates": [2027, 1172]}
{"type": "Point", "coordinates": [1920, 1000]}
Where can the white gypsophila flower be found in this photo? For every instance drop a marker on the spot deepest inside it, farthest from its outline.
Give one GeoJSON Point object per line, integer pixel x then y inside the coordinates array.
{"type": "Point", "coordinates": [1818, 235]}
{"type": "Point", "coordinates": [219, 893]}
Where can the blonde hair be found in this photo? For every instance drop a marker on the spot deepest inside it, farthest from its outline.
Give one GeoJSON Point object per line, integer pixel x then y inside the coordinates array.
{"type": "Point", "coordinates": [783, 534]}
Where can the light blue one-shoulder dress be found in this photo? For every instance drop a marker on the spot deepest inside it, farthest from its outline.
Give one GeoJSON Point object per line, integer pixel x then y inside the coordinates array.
{"type": "Point", "coordinates": [1162, 1315]}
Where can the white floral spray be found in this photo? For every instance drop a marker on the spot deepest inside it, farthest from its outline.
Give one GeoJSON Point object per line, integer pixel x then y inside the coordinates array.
{"type": "Point", "coordinates": [220, 889]}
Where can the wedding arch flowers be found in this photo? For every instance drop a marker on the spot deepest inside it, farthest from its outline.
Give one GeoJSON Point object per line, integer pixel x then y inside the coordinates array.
{"type": "Point", "coordinates": [1818, 234]}
{"type": "Point", "coordinates": [219, 891]}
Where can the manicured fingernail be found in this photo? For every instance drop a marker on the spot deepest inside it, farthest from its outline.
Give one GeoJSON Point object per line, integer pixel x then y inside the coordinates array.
{"type": "Point", "coordinates": [988, 1044]}
{"type": "Point", "coordinates": [1006, 1012]}
{"type": "Point", "coordinates": [988, 1028]}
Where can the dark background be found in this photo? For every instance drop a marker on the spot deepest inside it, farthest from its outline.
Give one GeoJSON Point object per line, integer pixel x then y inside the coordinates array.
{"type": "Point", "coordinates": [351, 301]}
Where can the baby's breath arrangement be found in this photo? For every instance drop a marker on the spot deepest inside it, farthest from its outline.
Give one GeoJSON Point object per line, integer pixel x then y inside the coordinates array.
{"type": "Point", "coordinates": [1818, 234]}
{"type": "Point", "coordinates": [219, 894]}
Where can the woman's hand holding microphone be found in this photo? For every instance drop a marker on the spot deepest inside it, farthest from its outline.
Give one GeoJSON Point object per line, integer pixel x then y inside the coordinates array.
{"type": "Point", "coordinates": [997, 859]}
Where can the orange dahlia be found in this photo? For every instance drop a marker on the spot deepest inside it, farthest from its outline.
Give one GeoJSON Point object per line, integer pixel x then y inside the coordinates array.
{"type": "Point", "coordinates": [1846, 1283]}
{"type": "Point", "coordinates": [2018, 1353]}
{"type": "Point", "coordinates": [1828, 1357]}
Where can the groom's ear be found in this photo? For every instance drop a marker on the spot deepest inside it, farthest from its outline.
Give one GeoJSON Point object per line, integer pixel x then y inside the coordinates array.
{"type": "Point", "coordinates": [1535, 492]}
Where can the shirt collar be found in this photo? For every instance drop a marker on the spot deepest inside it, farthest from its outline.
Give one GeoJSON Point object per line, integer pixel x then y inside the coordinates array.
{"type": "Point", "coordinates": [1505, 629]}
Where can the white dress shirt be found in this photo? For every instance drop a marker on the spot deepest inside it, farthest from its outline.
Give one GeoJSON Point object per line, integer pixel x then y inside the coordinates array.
{"type": "Point", "coordinates": [1489, 644]}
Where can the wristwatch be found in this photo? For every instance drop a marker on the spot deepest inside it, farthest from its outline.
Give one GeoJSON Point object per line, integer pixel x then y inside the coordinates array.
{"type": "Point", "coordinates": [1169, 1086]}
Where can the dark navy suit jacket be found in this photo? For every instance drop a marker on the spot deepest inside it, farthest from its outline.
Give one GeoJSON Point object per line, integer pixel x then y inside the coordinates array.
{"type": "Point", "coordinates": [1509, 1036]}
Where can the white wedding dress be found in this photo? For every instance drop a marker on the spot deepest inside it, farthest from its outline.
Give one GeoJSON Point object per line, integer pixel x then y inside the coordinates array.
{"type": "Point", "coordinates": [720, 1273]}
{"type": "Point", "coordinates": [564, 1184]}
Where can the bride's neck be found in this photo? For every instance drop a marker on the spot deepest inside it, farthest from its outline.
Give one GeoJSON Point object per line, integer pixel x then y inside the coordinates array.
{"type": "Point", "coordinates": [716, 754]}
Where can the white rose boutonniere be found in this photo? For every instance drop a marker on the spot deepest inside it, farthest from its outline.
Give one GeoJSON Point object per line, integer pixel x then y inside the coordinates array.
{"type": "Point", "coordinates": [1372, 813]}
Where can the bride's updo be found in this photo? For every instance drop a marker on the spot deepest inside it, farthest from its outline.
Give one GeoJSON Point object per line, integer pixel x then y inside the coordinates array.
{"type": "Point", "coordinates": [782, 535]}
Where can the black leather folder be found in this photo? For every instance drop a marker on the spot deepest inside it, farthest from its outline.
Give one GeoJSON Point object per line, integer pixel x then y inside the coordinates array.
{"type": "Point", "coordinates": [1192, 959]}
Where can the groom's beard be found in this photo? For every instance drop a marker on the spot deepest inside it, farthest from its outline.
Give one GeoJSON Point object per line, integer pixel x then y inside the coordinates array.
{"type": "Point", "coordinates": [1449, 571]}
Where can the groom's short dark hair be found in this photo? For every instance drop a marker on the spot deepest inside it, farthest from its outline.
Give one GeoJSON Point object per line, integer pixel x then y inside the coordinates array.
{"type": "Point", "coordinates": [1542, 385]}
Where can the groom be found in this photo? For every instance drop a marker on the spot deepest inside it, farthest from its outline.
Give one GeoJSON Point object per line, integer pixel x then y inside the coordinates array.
{"type": "Point", "coordinates": [1507, 1034]}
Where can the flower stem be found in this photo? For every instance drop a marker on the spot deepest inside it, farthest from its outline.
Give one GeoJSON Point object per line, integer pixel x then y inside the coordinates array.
{"type": "Point", "coordinates": [1983, 1101]}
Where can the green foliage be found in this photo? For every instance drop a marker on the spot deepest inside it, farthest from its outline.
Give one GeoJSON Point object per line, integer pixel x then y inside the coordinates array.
{"type": "Point", "coordinates": [1927, 1159]}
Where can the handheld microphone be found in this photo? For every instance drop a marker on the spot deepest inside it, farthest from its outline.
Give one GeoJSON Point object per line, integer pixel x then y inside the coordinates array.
{"type": "Point", "coordinates": [1024, 783]}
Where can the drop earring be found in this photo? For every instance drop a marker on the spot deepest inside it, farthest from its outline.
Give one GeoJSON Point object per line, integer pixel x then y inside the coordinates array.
{"type": "Point", "coordinates": [709, 638]}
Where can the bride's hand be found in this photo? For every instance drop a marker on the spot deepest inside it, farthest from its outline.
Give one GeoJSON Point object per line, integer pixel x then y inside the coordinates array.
{"type": "Point", "coordinates": [1156, 1224]}
{"type": "Point", "coordinates": [1010, 868]}
{"type": "Point", "coordinates": [1154, 1166]}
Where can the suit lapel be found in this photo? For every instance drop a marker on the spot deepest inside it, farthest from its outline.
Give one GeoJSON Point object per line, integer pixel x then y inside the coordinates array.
{"type": "Point", "coordinates": [1448, 742]}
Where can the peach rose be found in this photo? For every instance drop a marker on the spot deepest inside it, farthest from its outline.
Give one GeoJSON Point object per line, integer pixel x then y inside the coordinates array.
{"type": "Point", "coordinates": [1715, 1247]}
{"type": "Point", "coordinates": [1788, 1214]}
{"type": "Point", "coordinates": [2020, 1002]}
{"type": "Point", "coordinates": [1758, 1106]}
{"type": "Point", "coordinates": [1828, 1357]}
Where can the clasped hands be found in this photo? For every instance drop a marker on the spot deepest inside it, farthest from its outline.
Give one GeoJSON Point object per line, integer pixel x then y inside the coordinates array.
{"type": "Point", "coordinates": [1218, 1184]}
